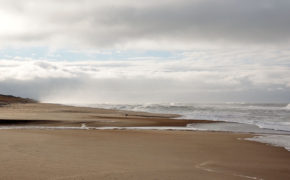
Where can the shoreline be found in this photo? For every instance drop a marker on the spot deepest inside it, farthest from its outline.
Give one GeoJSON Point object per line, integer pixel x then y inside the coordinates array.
{"type": "Point", "coordinates": [58, 116]}
{"type": "Point", "coordinates": [264, 138]}
{"type": "Point", "coordinates": [80, 143]}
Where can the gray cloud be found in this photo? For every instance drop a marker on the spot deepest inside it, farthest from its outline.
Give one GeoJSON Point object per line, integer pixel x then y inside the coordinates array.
{"type": "Point", "coordinates": [249, 61]}
{"type": "Point", "coordinates": [212, 75]}
{"type": "Point", "coordinates": [232, 20]}
{"type": "Point", "coordinates": [103, 24]}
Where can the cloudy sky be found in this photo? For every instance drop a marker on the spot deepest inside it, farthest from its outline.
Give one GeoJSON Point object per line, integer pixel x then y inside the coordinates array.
{"type": "Point", "coordinates": [125, 51]}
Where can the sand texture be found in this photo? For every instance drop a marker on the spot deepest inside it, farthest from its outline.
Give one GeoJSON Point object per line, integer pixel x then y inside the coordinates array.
{"type": "Point", "coordinates": [103, 154]}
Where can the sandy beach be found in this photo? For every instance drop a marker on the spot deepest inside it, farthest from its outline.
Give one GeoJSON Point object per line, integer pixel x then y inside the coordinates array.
{"type": "Point", "coordinates": [126, 154]}
{"type": "Point", "coordinates": [102, 154]}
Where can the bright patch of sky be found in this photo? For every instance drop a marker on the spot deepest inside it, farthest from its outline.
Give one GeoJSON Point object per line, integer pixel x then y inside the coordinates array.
{"type": "Point", "coordinates": [42, 53]}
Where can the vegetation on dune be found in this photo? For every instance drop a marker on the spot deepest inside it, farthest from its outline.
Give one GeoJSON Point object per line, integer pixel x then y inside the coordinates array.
{"type": "Point", "coordinates": [8, 99]}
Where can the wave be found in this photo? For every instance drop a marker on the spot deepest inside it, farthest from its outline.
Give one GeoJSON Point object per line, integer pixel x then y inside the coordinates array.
{"type": "Point", "coordinates": [287, 107]}
{"type": "Point", "coordinates": [275, 140]}
{"type": "Point", "coordinates": [279, 126]}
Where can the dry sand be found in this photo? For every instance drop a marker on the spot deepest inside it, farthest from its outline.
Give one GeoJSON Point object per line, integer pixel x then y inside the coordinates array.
{"type": "Point", "coordinates": [123, 154]}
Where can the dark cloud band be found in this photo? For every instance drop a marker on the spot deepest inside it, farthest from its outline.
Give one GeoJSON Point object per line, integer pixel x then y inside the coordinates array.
{"type": "Point", "coordinates": [105, 25]}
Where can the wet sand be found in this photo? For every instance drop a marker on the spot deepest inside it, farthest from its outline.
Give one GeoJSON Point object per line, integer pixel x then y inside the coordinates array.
{"type": "Point", "coordinates": [127, 154]}
{"type": "Point", "coordinates": [61, 115]}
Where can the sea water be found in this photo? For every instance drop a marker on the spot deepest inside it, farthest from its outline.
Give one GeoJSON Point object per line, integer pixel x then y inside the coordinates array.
{"type": "Point", "coordinates": [272, 120]}
{"type": "Point", "coordinates": [266, 116]}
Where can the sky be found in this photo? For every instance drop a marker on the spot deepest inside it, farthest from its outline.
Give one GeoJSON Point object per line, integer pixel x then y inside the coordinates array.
{"type": "Point", "coordinates": [125, 51]}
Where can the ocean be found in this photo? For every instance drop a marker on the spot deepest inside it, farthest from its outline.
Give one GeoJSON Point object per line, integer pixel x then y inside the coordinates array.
{"type": "Point", "coordinates": [270, 120]}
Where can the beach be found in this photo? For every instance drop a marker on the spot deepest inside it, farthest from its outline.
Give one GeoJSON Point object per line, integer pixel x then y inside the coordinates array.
{"type": "Point", "coordinates": [126, 154]}
{"type": "Point", "coordinates": [115, 154]}
{"type": "Point", "coordinates": [145, 90]}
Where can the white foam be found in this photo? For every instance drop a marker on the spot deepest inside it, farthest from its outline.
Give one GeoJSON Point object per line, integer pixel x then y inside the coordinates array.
{"type": "Point", "coordinates": [281, 126]}
{"type": "Point", "coordinates": [234, 127]}
{"type": "Point", "coordinates": [83, 126]}
{"type": "Point", "coordinates": [287, 107]}
{"type": "Point", "coordinates": [275, 140]}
